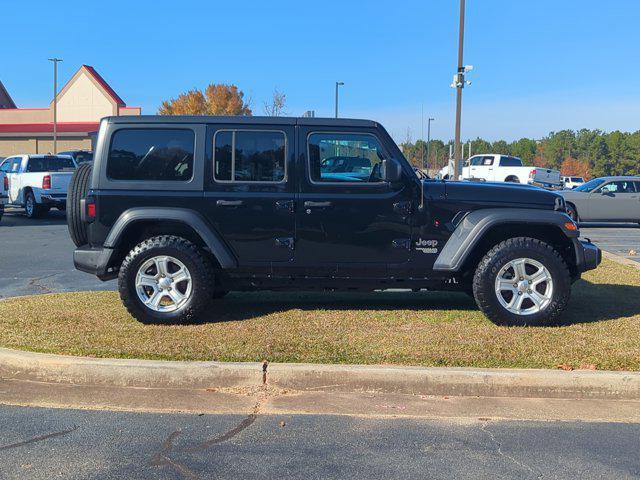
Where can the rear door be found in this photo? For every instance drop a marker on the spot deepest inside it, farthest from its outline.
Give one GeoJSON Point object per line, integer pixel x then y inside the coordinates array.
{"type": "Point", "coordinates": [614, 201]}
{"type": "Point", "coordinates": [349, 222]}
{"type": "Point", "coordinates": [249, 195]}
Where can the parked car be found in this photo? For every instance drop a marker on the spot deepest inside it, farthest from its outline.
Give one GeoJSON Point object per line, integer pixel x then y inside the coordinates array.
{"type": "Point", "coordinates": [4, 192]}
{"type": "Point", "coordinates": [79, 156]}
{"type": "Point", "coordinates": [572, 182]}
{"type": "Point", "coordinates": [504, 168]}
{"type": "Point", "coordinates": [286, 222]}
{"type": "Point", "coordinates": [605, 199]}
{"type": "Point", "coordinates": [38, 182]}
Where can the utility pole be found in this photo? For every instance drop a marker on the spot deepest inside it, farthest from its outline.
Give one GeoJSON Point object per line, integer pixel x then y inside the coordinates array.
{"type": "Point", "coordinates": [55, 103]}
{"type": "Point", "coordinates": [338, 84]}
{"type": "Point", "coordinates": [429, 137]}
{"type": "Point", "coordinates": [458, 84]}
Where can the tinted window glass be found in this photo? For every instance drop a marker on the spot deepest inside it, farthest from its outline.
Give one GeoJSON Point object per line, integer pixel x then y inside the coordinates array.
{"type": "Point", "coordinates": [475, 161]}
{"type": "Point", "coordinates": [6, 166]}
{"type": "Point", "coordinates": [153, 154]}
{"type": "Point", "coordinates": [577, 179]}
{"type": "Point", "coordinates": [249, 156]}
{"type": "Point", "coordinates": [619, 187]}
{"type": "Point", "coordinates": [487, 160]}
{"type": "Point", "coordinates": [50, 164]}
{"type": "Point", "coordinates": [336, 157]}
{"type": "Point", "coordinates": [510, 162]}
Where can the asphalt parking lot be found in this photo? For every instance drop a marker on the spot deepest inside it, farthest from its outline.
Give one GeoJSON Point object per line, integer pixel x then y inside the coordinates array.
{"type": "Point", "coordinates": [36, 255]}
{"type": "Point", "coordinates": [42, 443]}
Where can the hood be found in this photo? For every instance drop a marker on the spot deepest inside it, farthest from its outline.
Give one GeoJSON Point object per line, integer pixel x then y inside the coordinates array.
{"type": "Point", "coordinates": [501, 193]}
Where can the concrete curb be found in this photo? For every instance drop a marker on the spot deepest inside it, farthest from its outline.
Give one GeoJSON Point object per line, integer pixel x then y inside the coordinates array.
{"type": "Point", "coordinates": [115, 373]}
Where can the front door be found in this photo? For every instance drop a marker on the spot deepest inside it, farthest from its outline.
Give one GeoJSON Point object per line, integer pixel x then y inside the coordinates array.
{"type": "Point", "coordinates": [249, 197]}
{"type": "Point", "coordinates": [348, 221]}
{"type": "Point", "coordinates": [616, 200]}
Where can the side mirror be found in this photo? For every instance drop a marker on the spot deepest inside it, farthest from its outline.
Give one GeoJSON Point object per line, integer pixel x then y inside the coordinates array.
{"type": "Point", "coordinates": [391, 171]}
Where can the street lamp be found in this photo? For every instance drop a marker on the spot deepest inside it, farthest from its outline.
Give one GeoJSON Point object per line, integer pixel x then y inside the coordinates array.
{"type": "Point", "coordinates": [55, 103]}
{"type": "Point", "coordinates": [338, 84]}
{"type": "Point", "coordinates": [459, 83]}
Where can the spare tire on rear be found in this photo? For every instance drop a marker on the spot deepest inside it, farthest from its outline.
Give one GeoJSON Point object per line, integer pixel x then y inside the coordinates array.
{"type": "Point", "coordinates": [78, 189]}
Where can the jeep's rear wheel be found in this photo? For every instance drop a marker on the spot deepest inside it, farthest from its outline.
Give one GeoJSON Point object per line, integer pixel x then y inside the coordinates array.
{"type": "Point", "coordinates": [166, 280]}
{"type": "Point", "coordinates": [522, 281]}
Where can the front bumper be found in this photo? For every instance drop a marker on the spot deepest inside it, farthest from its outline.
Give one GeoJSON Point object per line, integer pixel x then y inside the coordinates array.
{"type": "Point", "coordinates": [95, 261]}
{"type": "Point", "coordinates": [588, 256]}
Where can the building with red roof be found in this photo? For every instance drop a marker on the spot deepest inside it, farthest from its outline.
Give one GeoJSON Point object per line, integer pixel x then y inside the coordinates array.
{"type": "Point", "coordinates": [82, 102]}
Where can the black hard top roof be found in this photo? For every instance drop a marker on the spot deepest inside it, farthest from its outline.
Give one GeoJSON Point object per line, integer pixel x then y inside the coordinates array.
{"type": "Point", "coordinates": [313, 121]}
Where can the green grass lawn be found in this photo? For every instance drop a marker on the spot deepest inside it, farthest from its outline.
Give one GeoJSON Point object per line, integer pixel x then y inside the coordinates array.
{"type": "Point", "coordinates": [436, 329]}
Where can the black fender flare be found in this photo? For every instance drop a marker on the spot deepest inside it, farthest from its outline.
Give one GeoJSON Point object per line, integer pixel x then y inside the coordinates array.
{"type": "Point", "coordinates": [189, 217]}
{"type": "Point", "coordinates": [476, 224]}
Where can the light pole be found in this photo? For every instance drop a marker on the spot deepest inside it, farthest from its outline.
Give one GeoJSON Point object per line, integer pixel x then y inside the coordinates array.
{"type": "Point", "coordinates": [55, 103]}
{"type": "Point", "coordinates": [458, 84]}
{"type": "Point", "coordinates": [429, 120]}
{"type": "Point", "coordinates": [338, 84]}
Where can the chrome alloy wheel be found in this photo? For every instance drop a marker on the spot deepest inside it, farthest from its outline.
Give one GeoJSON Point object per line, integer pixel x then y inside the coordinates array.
{"type": "Point", "coordinates": [524, 286]}
{"type": "Point", "coordinates": [30, 206]}
{"type": "Point", "coordinates": [163, 283]}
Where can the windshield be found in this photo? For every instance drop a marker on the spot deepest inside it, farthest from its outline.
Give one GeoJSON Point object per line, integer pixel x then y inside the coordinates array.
{"type": "Point", "coordinates": [50, 164]}
{"type": "Point", "coordinates": [590, 185]}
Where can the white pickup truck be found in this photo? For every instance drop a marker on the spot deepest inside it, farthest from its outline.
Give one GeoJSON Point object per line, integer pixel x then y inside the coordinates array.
{"type": "Point", "coordinates": [38, 182]}
{"type": "Point", "coordinates": [505, 168]}
{"type": "Point", "coordinates": [4, 190]}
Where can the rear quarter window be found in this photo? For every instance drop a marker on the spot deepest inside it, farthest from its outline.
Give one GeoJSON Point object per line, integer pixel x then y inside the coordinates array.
{"type": "Point", "coordinates": [160, 154]}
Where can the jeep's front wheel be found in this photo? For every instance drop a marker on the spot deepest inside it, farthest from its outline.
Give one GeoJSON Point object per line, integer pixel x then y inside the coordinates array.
{"type": "Point", "coordinates": [165, 280]}
{"type": "Point", "coordinates": [522, 281]}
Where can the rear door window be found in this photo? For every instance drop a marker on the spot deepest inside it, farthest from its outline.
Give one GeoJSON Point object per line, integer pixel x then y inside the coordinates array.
{"type": "Point", "coordinates": [249, 156]}
{"type": "Point", "coordinates": [162, 154]}
{"type": "Point", "coordinates": [510, 162]}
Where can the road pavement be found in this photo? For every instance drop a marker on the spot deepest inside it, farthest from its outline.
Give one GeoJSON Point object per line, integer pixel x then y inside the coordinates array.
{"type": "Point", "coordinates": [41, 443]}
{"type": "Point", "coordinates": [622, 239]}
{"type": "Point", "coordinates": [36, 255]}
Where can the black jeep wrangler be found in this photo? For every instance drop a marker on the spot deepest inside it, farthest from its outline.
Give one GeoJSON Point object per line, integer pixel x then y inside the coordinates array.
{"type": "Point", "coordinates": [183, 210]}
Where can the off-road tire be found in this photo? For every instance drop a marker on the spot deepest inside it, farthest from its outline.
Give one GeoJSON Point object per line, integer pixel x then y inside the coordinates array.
{"type": "Point", "coordinates": [78, 189]}
{"type": "Point", "coordinates": [572, 211]}
{"type": "Point", "coordinates": [200, 269]}
{"type": "Point", "coordinates": [510, 249]}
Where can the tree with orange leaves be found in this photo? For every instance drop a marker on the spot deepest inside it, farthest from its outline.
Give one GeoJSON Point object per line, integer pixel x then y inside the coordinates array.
{"type": "Point", "coordinates": [217, 99]}
{"type": "Point", "coordinates": [572, 167]}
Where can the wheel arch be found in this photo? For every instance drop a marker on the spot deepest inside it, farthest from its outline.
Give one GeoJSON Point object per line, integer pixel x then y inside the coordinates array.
{"type": "Point", "coordinates": [480, 230]}
{"type": "Point", "coordinates": [136, 224]}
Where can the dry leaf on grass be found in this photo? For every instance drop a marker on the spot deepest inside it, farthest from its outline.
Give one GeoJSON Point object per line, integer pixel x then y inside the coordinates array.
{"type": "Point", "coordinates": [564, 366]}
{"type": "Point", "coordinates": [587, 366]}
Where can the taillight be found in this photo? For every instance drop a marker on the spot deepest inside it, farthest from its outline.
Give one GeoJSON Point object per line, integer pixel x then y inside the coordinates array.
{"type": "Point", "coordinates": [46, 182]}
{"type": "Point", "coordinates": [90, 209]}
{"type": "Point", "coordinates": [532, 173]}
{"type": "Point", "coordinates": [6, 183]}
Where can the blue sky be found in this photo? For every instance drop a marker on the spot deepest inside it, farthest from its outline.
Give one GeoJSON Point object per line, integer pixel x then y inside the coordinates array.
{"type": "Point", "coordinates": [540, 65]}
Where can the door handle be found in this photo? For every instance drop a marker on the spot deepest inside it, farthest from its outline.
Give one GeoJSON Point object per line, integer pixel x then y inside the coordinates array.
{"type": "Point", "coordinates": [229, 203]}
{"type": "Point", "coordinates": [310, 204]}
